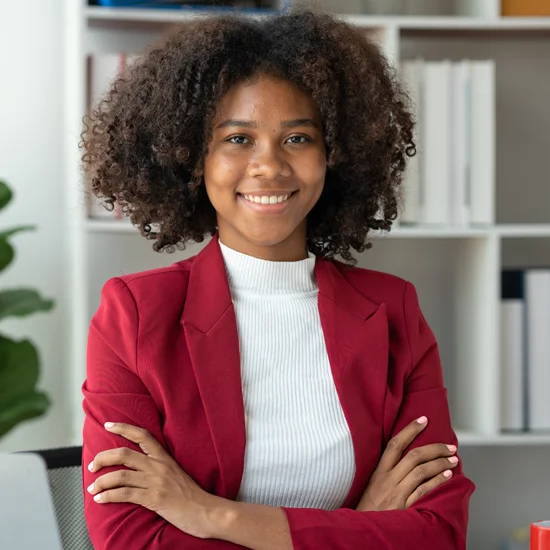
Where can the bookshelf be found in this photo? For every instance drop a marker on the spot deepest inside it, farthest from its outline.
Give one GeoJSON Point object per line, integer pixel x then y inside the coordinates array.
{"type": "Point", "coordinates": [455, 269]}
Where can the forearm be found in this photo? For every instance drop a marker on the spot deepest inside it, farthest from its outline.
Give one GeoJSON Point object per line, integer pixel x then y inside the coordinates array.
{"type": "Point", "coordinates": [254, 526]}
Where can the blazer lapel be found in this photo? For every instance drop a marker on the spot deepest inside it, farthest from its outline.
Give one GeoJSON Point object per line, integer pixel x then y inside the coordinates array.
{"type": "Point", "coordinates": [211, 332]}
{"type": "Point", "coordinates": [356, 336]}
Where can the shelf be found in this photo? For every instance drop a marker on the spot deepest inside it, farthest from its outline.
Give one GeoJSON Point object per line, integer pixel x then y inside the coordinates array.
{"type": "Point", "coordinates": [427, 23]}
{"type": "Point", "coordinates": [108, 226]}
{"type": "Point", "coordinates": [123, 226]}
{"type": "Point", "coordinates": [404, 232]}
{"type": "Point", "coordinates": [473, 23]}
{"type": "Point", "coordinates": [524, 230]}
{"type": "Point", "coordinates": [99, 14]}
{"type": "Point", "coordinates": [468, 439]}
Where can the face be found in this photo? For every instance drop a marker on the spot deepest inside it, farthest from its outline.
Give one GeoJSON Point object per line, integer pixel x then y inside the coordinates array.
{"type": "Point", "coordinates": [265, 168]}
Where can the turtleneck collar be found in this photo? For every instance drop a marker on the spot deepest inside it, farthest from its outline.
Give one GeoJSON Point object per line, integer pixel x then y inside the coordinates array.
{"type": "Point", "coordinates": [249, 274]}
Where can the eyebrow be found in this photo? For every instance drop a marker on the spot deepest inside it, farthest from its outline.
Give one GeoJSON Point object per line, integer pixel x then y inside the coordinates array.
{"type": "Point", "coordinates": [253, 124]}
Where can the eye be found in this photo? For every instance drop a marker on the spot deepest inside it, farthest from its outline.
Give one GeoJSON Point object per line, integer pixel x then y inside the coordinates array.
{"type": "Point", "coordinates": [305, 139]}
{"type": "Point", "coordinates": [240, 140]}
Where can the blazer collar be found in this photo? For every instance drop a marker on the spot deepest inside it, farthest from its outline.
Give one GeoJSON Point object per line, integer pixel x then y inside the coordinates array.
{"type": "Point", "coordinates": [209, 296]}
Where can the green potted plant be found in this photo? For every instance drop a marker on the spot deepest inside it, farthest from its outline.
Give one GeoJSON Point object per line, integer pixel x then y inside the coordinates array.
{"type": "Point", "coordinates": [19, 362]}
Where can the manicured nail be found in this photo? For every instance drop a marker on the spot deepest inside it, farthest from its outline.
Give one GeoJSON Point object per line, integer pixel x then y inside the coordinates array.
{"type": "Point", "coordinates": [451, 448]}
{"type": "Point", "coordinates": [90, 488]}
{"type": "Point", "coordinates": [447, 473]}
{"type": "Point", "coordinates": [97, 497]}
{"type": "Point", "coordinates": [453, 459]}
{"type": "Point", "coordinates": [109, 425]}
{"type": "Point", "coordinates": [422, 420]}
{"type": "Point", "coordinates": [91, 466]}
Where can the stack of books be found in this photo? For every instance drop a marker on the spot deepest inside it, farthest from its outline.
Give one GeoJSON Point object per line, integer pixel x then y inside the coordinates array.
{"type": "Point", "coordinates": [525, 350]}
{"type": "Point", "coordinates": [451, 180]}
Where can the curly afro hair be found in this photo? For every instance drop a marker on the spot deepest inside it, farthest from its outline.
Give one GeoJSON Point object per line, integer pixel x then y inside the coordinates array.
{"type": "Point", "coordinates": [144, 144]}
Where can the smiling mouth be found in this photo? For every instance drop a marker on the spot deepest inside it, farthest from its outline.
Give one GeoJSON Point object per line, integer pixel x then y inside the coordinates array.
{"type": "Point", "coordinates": [267, 199]}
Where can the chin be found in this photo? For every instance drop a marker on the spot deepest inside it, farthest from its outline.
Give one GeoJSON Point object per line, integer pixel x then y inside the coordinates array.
{"type": "Point", "coordinates": [267, 237]}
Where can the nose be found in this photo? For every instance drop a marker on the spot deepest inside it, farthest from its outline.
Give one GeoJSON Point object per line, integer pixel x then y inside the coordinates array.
{"type": "Point", "coordinates": [268, 162]}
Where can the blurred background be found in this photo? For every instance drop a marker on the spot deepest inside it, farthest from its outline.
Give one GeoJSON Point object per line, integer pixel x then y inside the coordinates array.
{"type": "Point", "coordinates": [474, 235]}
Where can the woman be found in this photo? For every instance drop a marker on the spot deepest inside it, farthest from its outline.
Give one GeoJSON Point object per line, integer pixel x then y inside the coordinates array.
{"type": "Point", "coordinates": [263, 394]}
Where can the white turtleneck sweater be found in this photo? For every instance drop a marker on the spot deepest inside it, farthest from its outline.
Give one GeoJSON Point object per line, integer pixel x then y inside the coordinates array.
{"type": "Point", "coordinates": [299, 451]}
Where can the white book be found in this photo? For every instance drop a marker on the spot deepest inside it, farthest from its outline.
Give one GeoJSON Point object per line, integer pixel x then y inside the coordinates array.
{"type": "Point", "coordinates": [460, 158]}
{"type": "Point", "coordinates": [537, 292]}
{"type": "Point", "coordinates": [437, 143]}
{"type": "Point", "coordinates": [512, 353]}
{"type": "Point", "coordinates": [482, 143]}
{"type": "Point", "coordinates": [411, 73]}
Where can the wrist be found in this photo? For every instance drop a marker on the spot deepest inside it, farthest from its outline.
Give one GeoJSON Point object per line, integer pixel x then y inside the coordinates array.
{"type": "Point", "coordinates": [222, 514]}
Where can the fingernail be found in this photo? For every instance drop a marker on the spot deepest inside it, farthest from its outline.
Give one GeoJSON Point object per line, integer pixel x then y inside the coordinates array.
{"type": "Point", "coordinates": [91, 466]}
{"type": "Point", "coordinates": [451, 448]}
{"type": "Point", "coordinates": [453, 459]}
{"type": "Point", "coordinates": [422, 420]}
{"type": "Point", "coordinates": [109, 425]}
{"type": "Point", "coordinates": [90, 488]}
{"type": "Point", "coordinates": [447, 473]}
{"type": "Point", "coordinates": [97, 497]}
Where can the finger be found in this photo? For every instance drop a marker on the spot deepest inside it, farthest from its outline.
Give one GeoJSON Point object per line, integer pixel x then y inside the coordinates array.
{"type": "Point", "coordinates": [123, 456]}
{"type": "Point", "coordinates": [430, 485]}
{"type": "Point", "coordinates": [421, 455]}
{"type": "Point", "coordinates": [427, 471]}
{"type": "Point", "coordinates": [120, 478]}
{"type": "Point", "coordinates": [397, 444]}
{"type": "Point", "coordinates": [147, 443]}
{"type": "Point", "coordinates": [122, 494]}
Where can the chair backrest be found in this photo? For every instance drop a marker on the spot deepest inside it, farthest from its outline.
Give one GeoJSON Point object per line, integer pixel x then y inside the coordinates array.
{"type": "Point", "coordinates": [65, 479]}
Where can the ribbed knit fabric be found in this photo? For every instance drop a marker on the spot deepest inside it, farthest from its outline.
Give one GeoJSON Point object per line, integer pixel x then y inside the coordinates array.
{"type": "Point", "coordinates": [299, 451]}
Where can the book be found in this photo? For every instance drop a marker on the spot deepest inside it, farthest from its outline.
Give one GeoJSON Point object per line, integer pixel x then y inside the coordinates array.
{"type": "Point", "coordinates": [537, 299]}
{"type": "Point", "coordinates": [411, 74]}
{"type": "Point", "coordinates": [482, 143]}
{"type": "Point", "coordinates": [513, 352]}
{"type": "Point", "coordinates": [461, 139]}
{"type": "Point", "coordinates": [436, 143]}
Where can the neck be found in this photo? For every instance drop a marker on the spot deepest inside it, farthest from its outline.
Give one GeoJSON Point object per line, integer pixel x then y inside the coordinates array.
{"type": "Point", "coordinates": [292, 249]}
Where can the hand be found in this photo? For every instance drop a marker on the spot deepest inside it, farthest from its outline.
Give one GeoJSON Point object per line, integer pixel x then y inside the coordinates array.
{"type": "Point", "coordinates": [400, 481]}
{"type": "Point", "coordinates": [154, 481]}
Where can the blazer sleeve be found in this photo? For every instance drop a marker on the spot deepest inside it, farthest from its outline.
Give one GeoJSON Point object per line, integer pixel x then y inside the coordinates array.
{"type": "Point", "coordinates": [437, 520]}
{"type": "Point", "coordinates": [113, 391]}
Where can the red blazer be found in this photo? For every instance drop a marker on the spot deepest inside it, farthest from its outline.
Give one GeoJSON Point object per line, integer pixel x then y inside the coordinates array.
{"type": "Point", "coordinates": [163, 354]}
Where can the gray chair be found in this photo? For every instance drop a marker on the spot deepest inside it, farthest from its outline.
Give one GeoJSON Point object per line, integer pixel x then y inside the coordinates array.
{"type": "Point", "coordinates": [65, 479]}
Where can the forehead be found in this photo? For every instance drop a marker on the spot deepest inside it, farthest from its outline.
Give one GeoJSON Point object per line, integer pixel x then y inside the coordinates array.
{"type": "Point", "coordinates": [266, 97]}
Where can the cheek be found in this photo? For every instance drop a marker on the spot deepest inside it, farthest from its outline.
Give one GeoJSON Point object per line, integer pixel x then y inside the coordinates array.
{"type": "Point", "coordinates": [312, 174]}
{"type": "Point", "coordinates": [221, 176]}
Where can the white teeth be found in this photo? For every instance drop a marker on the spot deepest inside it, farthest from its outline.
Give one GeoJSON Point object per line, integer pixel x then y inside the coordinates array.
{"type": "Point", "coordinates": [266, 199]}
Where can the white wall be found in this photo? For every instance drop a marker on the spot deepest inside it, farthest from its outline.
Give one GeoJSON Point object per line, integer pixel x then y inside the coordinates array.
{"type": "Point", "coordinates": [31, 162]}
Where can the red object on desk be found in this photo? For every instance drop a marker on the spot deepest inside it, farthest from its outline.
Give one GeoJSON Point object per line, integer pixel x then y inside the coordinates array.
{"type": "Point", "coordinates": [540, 535]}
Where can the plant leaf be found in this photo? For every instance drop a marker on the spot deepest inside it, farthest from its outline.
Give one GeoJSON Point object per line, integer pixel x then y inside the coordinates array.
{"type": "Point", "coordinates": [21, 302]}
{"type": "Point", "coordinates": [9, 232]}
{"type": "Point", "coordinates": [18, 369]}
{"type": "Point", "coordinates": [5, 194]}
{"type": "Point", "coordinates": [31, 405]}
{"type": "Point", "coordinates": [6, 254]}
